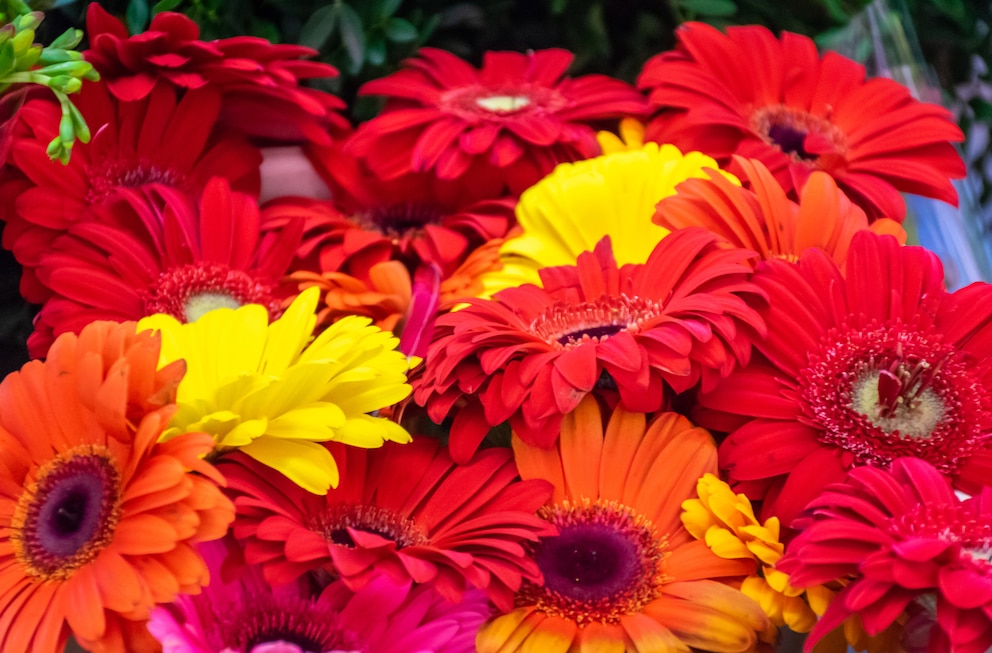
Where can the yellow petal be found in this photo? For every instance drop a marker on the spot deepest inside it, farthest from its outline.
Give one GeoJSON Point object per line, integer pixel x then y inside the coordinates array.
{"type": "Point", "coordinates": [309, 465]}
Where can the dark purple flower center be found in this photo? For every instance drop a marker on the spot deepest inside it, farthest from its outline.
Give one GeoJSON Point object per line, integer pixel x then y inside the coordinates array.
{"type": "Point", "coordinates": [69, 515]}
{"type": "Point", "coordinates": [402, 220]}
{"type": "Point", "coordinates": [291, 620]}
{"type": "Point", "coordinates": [790, 140]}
{"type": "Point", "coordinates": [792, 130]}
{"type": "Point", "coordinates": [334, 525]}
{"type": "Point", "coordinates": [568, 325]}
{"type": "Point", "coordinates": [606, 561]}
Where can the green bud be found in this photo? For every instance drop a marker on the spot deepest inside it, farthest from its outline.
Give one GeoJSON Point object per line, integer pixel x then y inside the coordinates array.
{"type": "Point", "coordinates": [59, 150]}
{"type": "Point", "coordinates": [50, 56]}
{"type": "Point", "coordinates": [68, 40]}
{"type": "Point", "coordinates": [7, 32]}
{"type": "Point", "coordinates": [29, 21]}
{"type": "Point", "coordinates": [72, 68]}
{"type": "Point", "coordinates": [65, 83]}
{"type": "Point", "coordinates": [82, 129]}
{"type": "Point", "coordinates": [7, 59]}
{"type": "Point", "coordinates": [27, 60]}
{"type": "Point", "coordinates": [23, 42]}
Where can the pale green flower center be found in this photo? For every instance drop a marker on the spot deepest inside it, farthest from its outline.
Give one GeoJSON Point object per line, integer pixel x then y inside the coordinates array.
{"type": "Point", "coordinates": [503, 103]}
{"type": "Point", "coordinates": [200, 304]}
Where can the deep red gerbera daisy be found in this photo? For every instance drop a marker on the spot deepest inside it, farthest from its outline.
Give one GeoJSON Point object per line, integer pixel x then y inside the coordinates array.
{"type": "Point", "coordinates": [415, 219]}
{"type": "Point", "coordinates": [531, 354]}
{"type": "Point", "coordinates": [158, 140]}
{"type": "Point", "coordinates": [857, 371]}
{"type": "Point", "coordinates": [259, 82]}
{"type": "Point", "coordinates": [407, 511]}
{"type": "Point", "coordinates": [508, 123]}
{"type": "Point", "coordinates": [158, 252]}
{"type": "Point", "coordinates": [906, 542]}
{"type": "Point", "coordinates": [746, 92]}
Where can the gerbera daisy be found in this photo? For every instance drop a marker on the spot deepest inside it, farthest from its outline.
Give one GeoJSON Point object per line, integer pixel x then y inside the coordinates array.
{"type": "Point", "coordinates": [762, 218]}
{"type": "Point", "coordinates": [505, 125]}
{"type": "Point", "coordinates": [412, 219]}
{"type": "Point", "coordinates": [158, 252]}
{"type": "Point", "coordinates": [156, 141]}
{"type": "Point", "coordinates": [746, 92]}
{"type": "Point", "coordinates": [570, 210]}
{"type": "Point", "coordinates": [630, 136]}
{"type": "Point", "coordinates": [858, 370]}
{"type": "Point", "coordinates": [906, 541]}
{"type": "Point", "coordinates": [97, 521]}
{"type": "Point", "coordinates": [405, 511]}
{"type": "Point", "coordinates": [530, 354]}
{"type": "Point", "coordinates": [259, 82]}
{"type": "Point", "coordinates": [245, 614]}
{"type": "Point", "coordinates": [623, 574]}
{"type": "Point", "coordinates": [271, 392]}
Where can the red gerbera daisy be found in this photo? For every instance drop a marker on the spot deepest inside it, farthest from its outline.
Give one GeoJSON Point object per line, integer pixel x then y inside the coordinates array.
{"type": "Point", "coordinates": [508, 123]}
{"type": "Point", "coordinates": [157, 252]}
{"type": "Point", "coordinates": [259, 82]}
{"type": "Point", "coordinates": [97, 521]}
{"type": "Point", "coordinates": [857, 371]}
{"type": "Point", "coordinates": [406, 511]}
{"type": "Point", "coordinates": [531, 354]}
{"type": "Point", "coordinates": [906, 541]}
{"type": "Point", "coordinates": [746, 92]}
{"type": "Point", "coordinates": [764, 219]}
{"type": "Point", "coordinates": [415, 219]}
{"type": "Point", "coordinates": [157, 140]}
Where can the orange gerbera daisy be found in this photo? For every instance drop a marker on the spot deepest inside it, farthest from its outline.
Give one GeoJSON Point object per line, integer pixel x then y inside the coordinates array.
{"type": "Point", "coordinates": [97, 521]}
{"type": "Point", "coordinates": [623, 574]}
{"type": "Point", "coordinates": [763, 219]}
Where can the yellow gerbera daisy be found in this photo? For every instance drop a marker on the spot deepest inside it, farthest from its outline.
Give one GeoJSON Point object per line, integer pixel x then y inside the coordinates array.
{"type": "Point", "coordinates": [631, 137]}
{"type": "Point", "coordinates": [570, 210]}
{"type": "Point", "coordinates": [261, 388]}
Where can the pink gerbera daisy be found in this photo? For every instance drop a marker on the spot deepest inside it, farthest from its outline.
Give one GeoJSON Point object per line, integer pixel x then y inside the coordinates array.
{"type": "Point", "coordinates": [531, 354]}
{"type": "Point", "coordinates": [904, 541]}
{"type": "Point", "coordinates": [407, 511]}
{"type": "Point", "coordinates": [159, 252]}
{"type": "Point", "coordinates": [508, 123]}
{"type": "Point", "coordinates": [160, 140]}
{"type": "Point", "coordinates": [859, 367]}
{"type": "Point", "coordinates": [775, 99]}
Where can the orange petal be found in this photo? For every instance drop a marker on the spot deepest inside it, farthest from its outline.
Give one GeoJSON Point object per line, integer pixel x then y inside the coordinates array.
{"type": "Point", "coordinates": [695, 561]}
{"type": "Point", "coordinates": [600, 638]}
{"type": "Point", "coordinates": [581, 448]}
{"type": "Point", "coordinates": [534, 462]}
{"type": "Point", "coordinates": [494, 635]}
{"type": "Point", "coordinates": [553, 635]}
{"type": "Point", "coordinates": [623, 435]}
{"type": "Point", "coordinates": [650, 636]}
{"type": "Point", "coordinates": [703, 627]}
{"type": "Point", "coordinates": [84, 608]}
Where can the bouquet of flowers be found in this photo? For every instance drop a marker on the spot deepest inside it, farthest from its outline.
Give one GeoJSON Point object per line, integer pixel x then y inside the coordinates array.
{"type": "Point", "coordinates": [525, 363]}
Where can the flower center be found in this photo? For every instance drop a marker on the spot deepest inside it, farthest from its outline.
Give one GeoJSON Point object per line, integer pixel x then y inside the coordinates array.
{"type": "Point", "coordinates": [334, 525]}
{"type": "Point", "coordinates": [803, 136]}
{"type": "Point", "coordinates": [881, 392]}
{"type": "Point", "coordinates": [190, 291]}
{"type": "Point", "coordinates": [68, 515]}
{"type": "Point", "coordinates": [105, 177]}
{"type": "Point", "coordinates": [960, 524]}
{"type": "Point", "coordinates": [402, 220]}
{"type": "Point", "coordinates": [275, 623]}
{"type": "Point", "coordinates": [606, 561]}
{"type": "Point", "coordinates": [567, 325]}
{"type": "Point", "coordinates": [474, 102]}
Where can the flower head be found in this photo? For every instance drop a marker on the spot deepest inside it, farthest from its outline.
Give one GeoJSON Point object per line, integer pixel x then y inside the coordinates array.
{"type": "Point", "coordinates": [762, 218]}
{"type": "Point", "coordinates": [158, 252]}
{"type": "Point", "coordinates": [859, 367]}
{"type": "Point", "coordinates": [98, 521]}
{"type": "Point", "coordinates": [774, 99]}
{"type": "Point", "coordinates": [505, 125]}
{"type": "Point", "coordinates": [405, 511]}
{"type": "Point", "coordinates": [622, 568]}
{"type": "Point", "coordinates": [906, 541]}
{"type": "Point", "coordinates": [575, 206]}
{"type": "Point", "coordinates": [161, 140]}
{"type": "Point", "coordinates": [267, 390]}
{"type": "Point", "coordinates": [530, 354]}
{"type": "Point", "coordinates": [259, 82]}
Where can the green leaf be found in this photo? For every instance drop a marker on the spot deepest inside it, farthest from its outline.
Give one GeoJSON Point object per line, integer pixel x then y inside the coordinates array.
{"type": "Point", "coordinates": [353, 36]}
{"type": "Point", "coordinates": [137, 16]}
{"type": "Point", "coordinates": [375, 53]}
{"type": "Point", "coordinates": [386, 8]}
{"type": "Point", "coordinates": [165, 5]}
{"type": "Point", "coordinates": [319, 27]}
{"type": "Point", "coordinates": [710, 7]}
{"type": "Point", "coordinates": [399, 30]}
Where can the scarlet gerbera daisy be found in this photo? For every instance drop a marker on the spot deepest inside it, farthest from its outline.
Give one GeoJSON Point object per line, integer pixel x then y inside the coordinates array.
{"type": "Point", "coordinates": [530, 354]}
{"type": "Point", "coordinates": [158, 252]}
{"type": "Point", "coordinates": [857, 371]}
{"type": "Point", "coordinates": [156, 141]}
{"type": "Point", "coordinates": [97, 521]}
{"type": "Point", "coordinates": [413, 219]}
{"type": "Point", "coordinates": [774, 99]}
{"type": "Point", "coordinates": [762, 218]}
{"type": "Point", "coordinates": [506, 124]}
{"type": "Point", "coordinates": [905, 541]}
{"type": "Point", "coordinates": [244, 614]}
{"type": "Point", "coordinates": [407, 511]}
{"type": "Point", "coordinates": [259, 82]}
{"type": "Point", "coordinates": [623, 574]}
